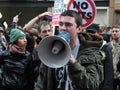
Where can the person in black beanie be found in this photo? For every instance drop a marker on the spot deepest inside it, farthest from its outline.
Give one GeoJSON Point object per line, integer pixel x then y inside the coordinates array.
{"type": "Point", "coordinates": [108, 62]}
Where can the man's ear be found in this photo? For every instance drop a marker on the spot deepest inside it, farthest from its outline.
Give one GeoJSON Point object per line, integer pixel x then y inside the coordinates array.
{"type": "Point", "coordinates": [79, 29]}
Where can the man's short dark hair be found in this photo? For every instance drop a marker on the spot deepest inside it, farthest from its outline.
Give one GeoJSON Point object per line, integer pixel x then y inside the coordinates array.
{"type": "Point", "coordinates": [116, 26]}
{"type": "Point", "coordinates": [74, 14]}
{"type": "Point", "coordinates": [44, 23]}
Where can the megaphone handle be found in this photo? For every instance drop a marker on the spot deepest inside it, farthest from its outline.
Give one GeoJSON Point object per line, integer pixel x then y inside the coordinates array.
{"type": "Point", "coordinates": [57, 47]}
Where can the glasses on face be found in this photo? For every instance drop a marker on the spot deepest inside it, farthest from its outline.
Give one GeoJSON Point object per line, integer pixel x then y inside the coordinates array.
{"type": "Point", "coordinates": [92, 32]}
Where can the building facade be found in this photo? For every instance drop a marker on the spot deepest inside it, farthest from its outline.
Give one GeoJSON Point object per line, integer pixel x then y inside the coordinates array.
{"type": "Point", "coordinates": [108, 11]}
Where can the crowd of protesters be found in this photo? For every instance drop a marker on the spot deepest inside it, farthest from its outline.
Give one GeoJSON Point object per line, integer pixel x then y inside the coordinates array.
{"type": "Point", "coordinates": [94, 63]}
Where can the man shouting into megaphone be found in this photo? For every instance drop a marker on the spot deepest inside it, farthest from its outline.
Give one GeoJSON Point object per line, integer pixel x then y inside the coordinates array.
{"type": "Point", "coordinates": [84, 69]}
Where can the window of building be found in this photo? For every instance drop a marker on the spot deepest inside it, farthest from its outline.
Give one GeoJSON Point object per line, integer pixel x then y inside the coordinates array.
{"type": "Point", "coordinates": [117, 1]}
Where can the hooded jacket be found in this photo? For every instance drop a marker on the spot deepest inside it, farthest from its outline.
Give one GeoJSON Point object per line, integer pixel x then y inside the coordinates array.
{"type": "Point", "coordinates": [85, 74]}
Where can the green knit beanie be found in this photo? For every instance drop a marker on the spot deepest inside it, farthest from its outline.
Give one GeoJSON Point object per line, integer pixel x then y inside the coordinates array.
{"type": "Point", "coordinates": [15, 34]}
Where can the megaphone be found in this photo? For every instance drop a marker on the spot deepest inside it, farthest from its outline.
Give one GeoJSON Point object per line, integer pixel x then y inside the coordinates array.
{"type": "Point", "coordinates": [54, 51]}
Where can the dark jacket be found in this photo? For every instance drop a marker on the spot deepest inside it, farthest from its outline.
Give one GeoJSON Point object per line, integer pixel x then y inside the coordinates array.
{"type": "Point", "coordinates": [118, 65]}
{"type": "Point", "coordinates": [85, 74]}
{"type": "Point", "coordinates": [16, 71]}
{"type": "Point", "coordinates": [108, 68]}
{"type": "Point", "coordinates": [37, 63]}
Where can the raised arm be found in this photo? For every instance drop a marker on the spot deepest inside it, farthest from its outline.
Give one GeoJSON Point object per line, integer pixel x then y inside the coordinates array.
{"type": "Point", "coordinates": [31, 23]}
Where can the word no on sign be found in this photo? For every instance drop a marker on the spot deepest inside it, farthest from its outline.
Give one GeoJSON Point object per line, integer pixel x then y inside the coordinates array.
{"type": "Point", "coordinates": [86, 8]}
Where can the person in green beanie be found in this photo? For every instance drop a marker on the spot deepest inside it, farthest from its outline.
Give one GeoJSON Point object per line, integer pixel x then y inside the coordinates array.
{"type": "Point", "coordinates": [16, 34]}
{"type": "Point", "coordinates": [16, 71]}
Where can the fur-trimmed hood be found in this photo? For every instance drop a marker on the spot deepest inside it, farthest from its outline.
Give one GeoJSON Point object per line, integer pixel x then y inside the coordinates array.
{"type": "Point", "coordinates": [89, 40]}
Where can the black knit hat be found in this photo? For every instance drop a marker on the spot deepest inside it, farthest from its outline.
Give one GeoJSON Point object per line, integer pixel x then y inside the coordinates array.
{"type": "Point", "coordinates": [93, 27]}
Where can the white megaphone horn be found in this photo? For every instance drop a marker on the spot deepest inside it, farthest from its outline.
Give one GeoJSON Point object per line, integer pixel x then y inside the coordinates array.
{"type": "Point", "coordinates": [54, 51]}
